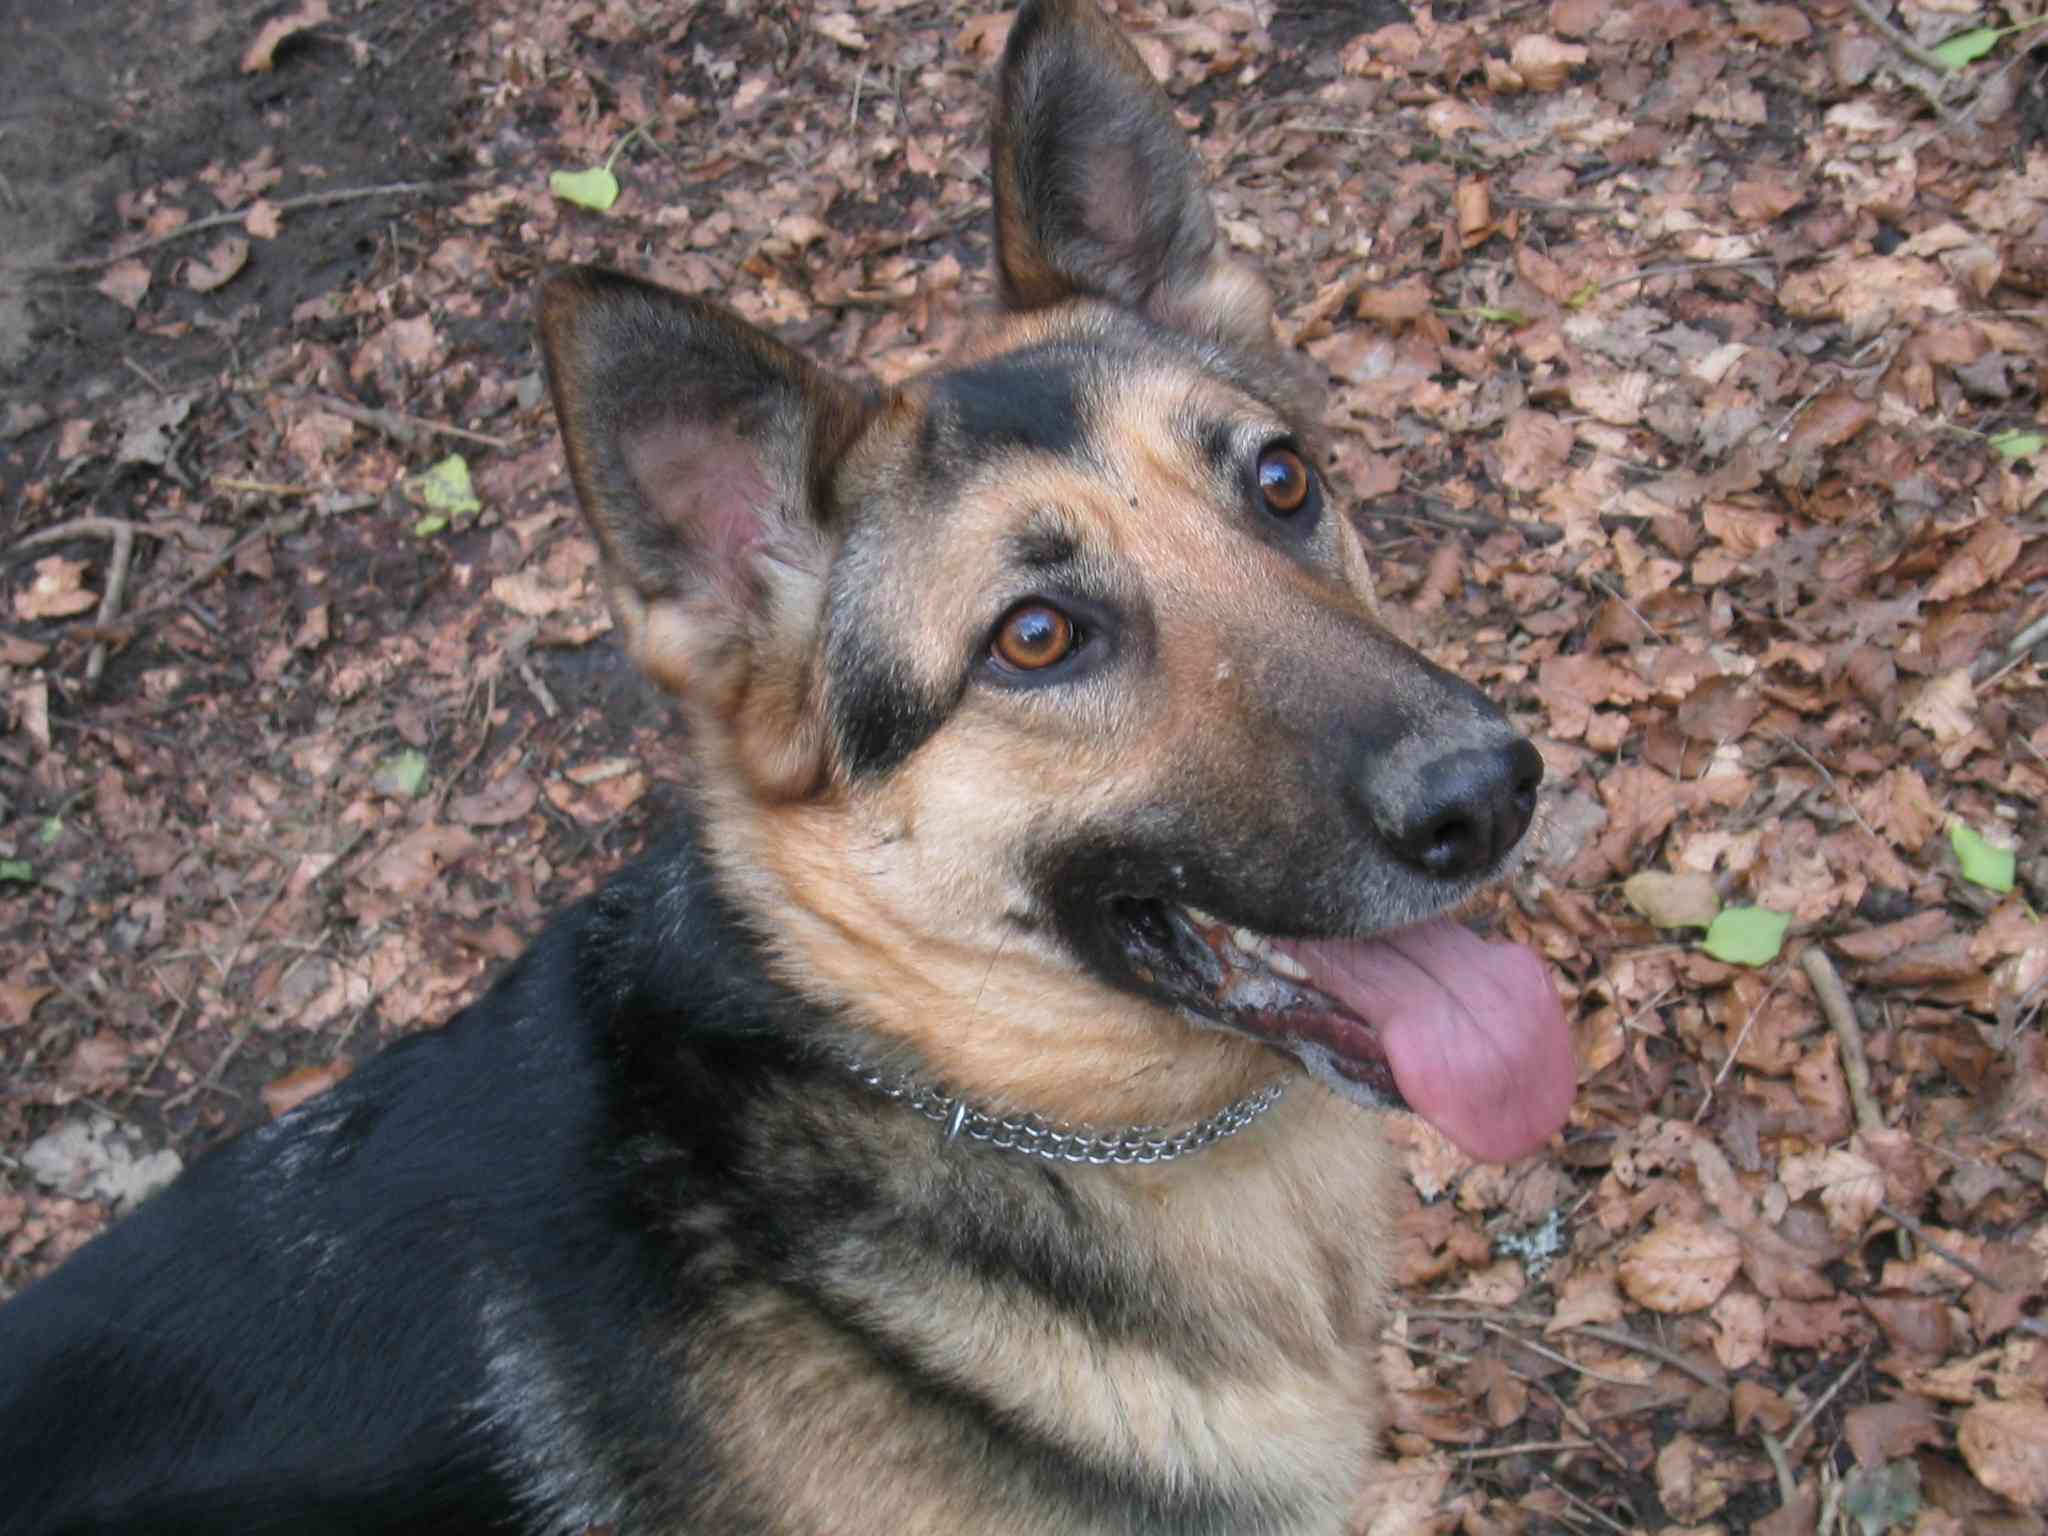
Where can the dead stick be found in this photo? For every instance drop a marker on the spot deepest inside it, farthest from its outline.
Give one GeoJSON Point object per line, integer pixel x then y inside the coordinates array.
{"type": "Point", "coordinates": [1841, 1017]}
{"type": "Point", "coordinates": [1935, 1248]}
{"type": "Point", "coordinates": [405, 427]}
{"type": "Point", "coordinates": [236, 218]}
{"type": "Point", "coordinates": [110, 601]}
{"type": "Point", "coordinates": [1994, 663]}
{"type": "Point", "coordinates": [85, 528]}
{"type": "Point", "coordinates": [1925, 58]}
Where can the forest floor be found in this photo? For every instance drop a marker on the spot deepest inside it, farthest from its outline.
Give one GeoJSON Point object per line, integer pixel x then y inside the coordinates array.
{"type": "Point", "coordinates": [1686, 364]}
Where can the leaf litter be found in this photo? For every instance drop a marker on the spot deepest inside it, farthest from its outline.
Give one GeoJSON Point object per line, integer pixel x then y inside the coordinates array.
{"type": "Point", "coordinates": [1687, 362]}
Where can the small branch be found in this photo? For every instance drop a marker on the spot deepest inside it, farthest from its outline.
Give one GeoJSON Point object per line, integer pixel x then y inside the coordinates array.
{"type": "Point", "coordinates": [1687, 268]}
{"type": "Point", "coordinates": [118, 561]}
{"type": "Point", "coordinates": [1926, 58]}
{"type": "Point", "coordinates": [1841, 1016]}
{"type": "Point", "coordinates": [1623, 1339]}
{"type": "Point", "coordinates": [85, 528]}
{"type": "Point", "coordinates": [1464, 522]}
{"type": "Point", "coordinates": [1992, 664]}
{"type": "Point", "coordinates": [235, 219]}
{"type": "Point", "coordinates": [276, 527]}
{"type": "Point", "coordinates": [406, 428]}
{"type": "Point", "coordinates": [1935, 1248]}
{"type": "Point", "coordinates": [1814, 1411]}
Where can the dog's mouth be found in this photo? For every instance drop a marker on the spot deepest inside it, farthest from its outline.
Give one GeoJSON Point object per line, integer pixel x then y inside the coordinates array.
{"type": "Point", "coordinates": [1468, 1033]}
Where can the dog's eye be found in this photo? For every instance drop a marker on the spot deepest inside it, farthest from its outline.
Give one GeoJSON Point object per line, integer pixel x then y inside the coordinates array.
{"type": "Point", "coordinates": [1032, 637]}
{"type": "Point", "coordinates": [1284, 481]}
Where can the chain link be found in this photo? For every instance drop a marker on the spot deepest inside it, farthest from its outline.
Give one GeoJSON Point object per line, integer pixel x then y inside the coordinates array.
{"type": "Point", "coordinates": [1142, 1145]}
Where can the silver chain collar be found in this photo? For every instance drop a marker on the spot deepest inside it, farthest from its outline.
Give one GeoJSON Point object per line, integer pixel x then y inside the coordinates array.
{"type": "Point", "coordinates": [1058, 1142]}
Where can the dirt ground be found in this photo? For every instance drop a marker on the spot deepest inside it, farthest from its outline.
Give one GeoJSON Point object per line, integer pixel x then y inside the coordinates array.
{"type": "Point", "coordinates": [1686, 365]}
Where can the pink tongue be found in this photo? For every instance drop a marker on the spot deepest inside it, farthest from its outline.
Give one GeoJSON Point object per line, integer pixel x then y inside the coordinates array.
{"type": "Point", "coordinates": [1472, 1030]}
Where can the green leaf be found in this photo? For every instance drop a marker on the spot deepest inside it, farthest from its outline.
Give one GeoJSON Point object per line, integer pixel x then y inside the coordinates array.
{"type": "Point", "coordinates": [596, 189]}
{"type": "Point", "coordinates": [1992, 868]}
{"type": "Point", "coordinates": [1747, 935]}
{"type": "Point", "coordinates": [51, 829]}
{"type": "Point", "coordinates": [1881, 1499]}
{"type": "Point", "coordinates": [401, 775]}
{"type": "Point", "coordinates": [16, 871]}
{"type": "Point", "coordinates": [445, 491]}
{"type": "Point", "coordinates": [1966, 47]}
{"type": "Point", "coordinates": [2015, 444]}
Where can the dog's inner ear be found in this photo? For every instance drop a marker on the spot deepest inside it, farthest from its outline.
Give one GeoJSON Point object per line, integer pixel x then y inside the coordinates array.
{"type": "Point", "coordinates": [1098, 192]}
{"type": "Point", "coordinates": [702, 449]}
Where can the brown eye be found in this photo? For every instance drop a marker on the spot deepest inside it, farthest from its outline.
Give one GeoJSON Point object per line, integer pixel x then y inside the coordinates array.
{"type": "Point", "coordinates": [1283, 481]}
{"type": "Point", "coordinates": [1034, 636]}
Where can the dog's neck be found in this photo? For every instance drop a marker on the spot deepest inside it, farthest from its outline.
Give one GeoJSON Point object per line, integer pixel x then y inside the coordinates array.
{"type": "Point", "coordinates": [1057, 1142]}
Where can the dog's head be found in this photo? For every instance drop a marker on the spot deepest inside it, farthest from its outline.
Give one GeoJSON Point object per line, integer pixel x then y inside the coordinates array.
{"type": "Point", "coordinates": [1042, 706]}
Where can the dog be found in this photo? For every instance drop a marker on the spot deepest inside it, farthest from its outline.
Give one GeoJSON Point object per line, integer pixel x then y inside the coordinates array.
{"type": "Point", "coordinates": [966, 1119]}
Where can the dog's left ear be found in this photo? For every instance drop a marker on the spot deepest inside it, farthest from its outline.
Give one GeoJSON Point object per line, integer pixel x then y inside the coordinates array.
{"type": "Point", "coordinates": [1098, 192]}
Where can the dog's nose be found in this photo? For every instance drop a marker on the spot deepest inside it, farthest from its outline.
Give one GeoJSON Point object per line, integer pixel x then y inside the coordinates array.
{"type": "Point", "coordinates": [1473, 806]}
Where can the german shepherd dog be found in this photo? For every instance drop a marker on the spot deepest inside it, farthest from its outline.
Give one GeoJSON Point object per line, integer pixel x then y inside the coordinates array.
{"type": "Point", "coordinates": [956, 1125]}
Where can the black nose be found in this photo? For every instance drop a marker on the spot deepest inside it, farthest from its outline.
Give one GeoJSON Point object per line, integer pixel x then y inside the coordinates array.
{"type": "Point", "coordinates": [1473, 806]}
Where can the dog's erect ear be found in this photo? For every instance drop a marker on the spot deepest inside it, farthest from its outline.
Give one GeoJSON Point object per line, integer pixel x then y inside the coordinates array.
{"type": "Point", "coordinates": [1099, 193]}
{"type": "Point", "coordinates": [701, 449]}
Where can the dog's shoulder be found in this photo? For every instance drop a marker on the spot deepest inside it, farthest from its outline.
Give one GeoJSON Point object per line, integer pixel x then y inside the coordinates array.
{"type": "Point", "coordinates": [468, 1218]}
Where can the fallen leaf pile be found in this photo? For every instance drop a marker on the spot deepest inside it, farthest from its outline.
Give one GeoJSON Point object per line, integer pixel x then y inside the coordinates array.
{"type": "Point", "coordinates": [1685, 363]}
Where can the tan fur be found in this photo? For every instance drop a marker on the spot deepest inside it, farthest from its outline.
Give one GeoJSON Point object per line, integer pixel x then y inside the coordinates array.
{"type": "Point", "coordinates": [1279, 1254]}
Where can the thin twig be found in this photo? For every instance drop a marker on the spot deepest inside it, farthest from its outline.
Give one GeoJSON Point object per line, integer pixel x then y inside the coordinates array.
{"type": "Point", "coordinates": [1997, 663]}
{"type": "Point", "coordinates": [276, 527]}
{"type": "Point", "coordinates": [1588, 1510]}
{"type": "Point", "coordinates": [118, 561]}
{"type": "Point", "coordinates": [1526, 1448]}
{"type": "Point", "coordinates": [1833, 783]}
{"type": "Point", "coordinates": [227, 969]}
{"type": "Point", "coordinates": [1686, 268]}
{"type": "Point", "coordinates": [1841, 1016]}
{"type": "Point", "coordinates": [1623, 1339]}
{"type": "Point", "coordinates": [236, 219]}
{"type": "Point", "coordinates": [405, 427]}
{"type": "Point", "coordinates": [1935, 1248]}
{"type": "Point", "coordinates": [1926, 58]}
{"type": "Point", "coordinates": [84, 528]}
{"type": "Point", "coordinates": [1814, 1410]}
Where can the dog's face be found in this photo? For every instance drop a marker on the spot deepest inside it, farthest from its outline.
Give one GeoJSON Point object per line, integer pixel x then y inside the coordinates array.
{"type": "Point", "coordinates": [1052, 685]}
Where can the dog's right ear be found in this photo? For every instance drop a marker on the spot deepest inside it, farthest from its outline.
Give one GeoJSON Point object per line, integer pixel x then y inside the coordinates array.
{"type": "Point", "coordinates": [702, 449]}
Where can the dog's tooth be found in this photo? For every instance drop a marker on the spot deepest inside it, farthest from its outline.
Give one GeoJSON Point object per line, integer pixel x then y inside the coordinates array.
{"type": "Point", "coordinates": [1284, 963]}
{"type": "Point", "coordinates": [1245, 940]}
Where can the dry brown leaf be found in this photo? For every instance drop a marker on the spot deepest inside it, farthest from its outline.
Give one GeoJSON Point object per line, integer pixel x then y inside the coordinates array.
{"type": "Point", "coordinates": [2006, 1445]}
{"type": "Point", "coordinates": [497, 804]}
{"type": "Point", "coordinates": [97, 1063]}
{"type": "Point", "coordinates": [57, 590]}
{"type": "Point", "coordinates": [1776, 26]}
{"type": "Point", "coordinates": [1544, 63]}
{"type": "Point", "coordinates": [525, 593]}
{"type": "Point", "coordinates": [203, 274]}
{"type": "Point", "coordinates": [1882, 1432]}
{"type": "Point", "coordinates": [263, 220]}
{"type": "Point", "coordinates": [1394, 303]}
{"type": "Point", "coordinates": [1989, 555]}
{"type": "Point", "coordinates": [18, 1003]}
{"type": "Point", "coordinates": [1672, 900]}
{"type": "Point", "coordinates": [842, 29]}
{"type": "Point", "coordinates": [1682, 1266]}
{"type": "Point", "coordinates": [125, 282]}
